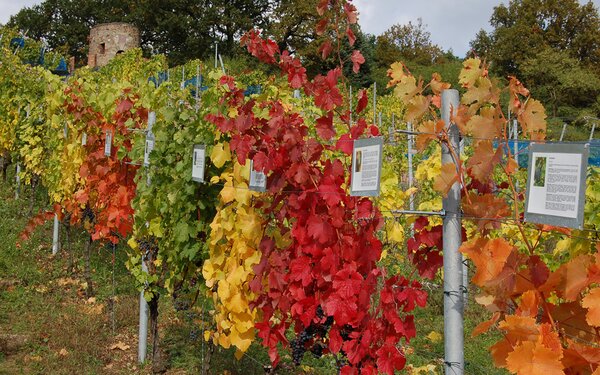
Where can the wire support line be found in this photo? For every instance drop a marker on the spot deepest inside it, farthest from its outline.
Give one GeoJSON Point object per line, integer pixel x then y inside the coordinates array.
{"type": "Point", "coordinates": [417, 213]}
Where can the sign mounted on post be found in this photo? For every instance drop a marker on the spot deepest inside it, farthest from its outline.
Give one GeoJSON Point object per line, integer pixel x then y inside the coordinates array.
{"type": "Point", "coordinates": [108, 143]}
{"type": "Point", "coordinates": [198, 163]}
{"type": "Point", "coordinates": [147, 150]}
{"type": "Point", "coordinates": [258, 180]}
{"type": "Point", "coordinates": [149, 139]}
{"type": "Point", "coordinates": [366, 167]}
{"type": "Point", "coordinates": [556, 184]}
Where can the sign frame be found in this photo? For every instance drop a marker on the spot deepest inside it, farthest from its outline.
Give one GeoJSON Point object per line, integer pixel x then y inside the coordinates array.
{"type": "Point", "coordinates": [253, 175]}
{"type": "Point", "coordinates": [202, 148]}
{"type": "Point", "coordinates": [361, 143]}
{"type": "Point", "coordinates": [108, 138]}
{"type": "Point", "coordinates": [582, 149]}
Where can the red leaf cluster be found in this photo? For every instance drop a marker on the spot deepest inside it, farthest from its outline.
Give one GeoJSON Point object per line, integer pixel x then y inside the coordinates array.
{"type": "Point", "coordinates": [109, 184]}
{"type": "Point", "coordinates": [425, 248]}
{"type": "Point", "coordinates": [324, 281]}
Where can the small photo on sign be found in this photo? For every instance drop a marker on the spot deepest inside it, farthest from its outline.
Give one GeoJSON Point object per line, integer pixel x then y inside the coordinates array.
{"type": "Point", "coordinates": [198, 163]}
{"type": "Point", "coordinates": [258, 180]}
{"type": "Point", "coordinates": [539, 177]}
{"type": "Point", "coordinates": [358, 163]}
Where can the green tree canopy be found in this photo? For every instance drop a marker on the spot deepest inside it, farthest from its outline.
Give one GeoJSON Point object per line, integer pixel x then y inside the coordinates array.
{"type": "Point", "coordinates": [552, 45]}
{"type": "Point", "coordinates": [410, 42]}
{"type": "Point", "coordinates": [181, 29]}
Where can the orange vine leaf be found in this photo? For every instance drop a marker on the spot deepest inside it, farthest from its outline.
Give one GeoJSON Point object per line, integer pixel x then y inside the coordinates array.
{"type": "Point", "coordinates": [446, 178]}
{"type": "Point", "coordinates": [592, 303]}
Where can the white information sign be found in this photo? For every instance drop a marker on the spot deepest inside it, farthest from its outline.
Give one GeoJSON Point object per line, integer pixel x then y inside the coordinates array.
{"type": "Point", "coordinates": [108, 143]}
{"type": "Point", "coordinates": [366, 166]}
{"type": "Point", "coordinates": [84, 139]}
{"type": "Point", "coordinates": [556, 184]}
{"type": "Point", "coordinates": [147, 150]}
{"type": "Point", "coordinates": [198, 163]}
{"type": "Point", "coordinates": [258, 180]}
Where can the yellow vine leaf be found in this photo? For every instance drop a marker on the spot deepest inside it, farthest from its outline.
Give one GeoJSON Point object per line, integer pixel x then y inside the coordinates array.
{"type": "Point", "coordinates": [233, 252]}
{"type": "Point", "coordinates": [435, 337]}
{"type": "Point", "coordinates": [470, 72]}
{"type": "Point", "coordinates": [220, 154]}
{"type": "Point", "coordinates": [533, 119]}
{"type": "Point", "coordinates": [395, 232]}
{"type": "Point", "coordinates": [407, 88]}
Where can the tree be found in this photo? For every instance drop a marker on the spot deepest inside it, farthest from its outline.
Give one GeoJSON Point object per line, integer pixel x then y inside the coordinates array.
{"type": "Point", "coordinates": [553, 46]}
{"type": "Point", "coordinates": [293, 27]}
{"type": "Point", "coordinates": [407, 42]}
{"type": "Point", "coordinates": [181, 29]}
{"type": "Point", "coordinates": [524, 28]}
{"type": "Point", "coordinates": [561, 80]}
{"type": "Point", "coordinates": [482, 44]}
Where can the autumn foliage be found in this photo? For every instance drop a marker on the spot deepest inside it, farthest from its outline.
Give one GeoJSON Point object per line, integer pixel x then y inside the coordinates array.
{"type": "Point", "coordinates": [548, 315]}
{"type": "Point", "coordinates": [305, 255]}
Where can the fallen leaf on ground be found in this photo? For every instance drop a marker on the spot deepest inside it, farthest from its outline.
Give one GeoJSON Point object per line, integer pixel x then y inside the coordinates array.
{"type": "Point", "coordinates": [120, 345]}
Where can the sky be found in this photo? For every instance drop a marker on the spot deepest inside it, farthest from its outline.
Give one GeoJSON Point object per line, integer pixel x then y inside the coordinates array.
{"type": "Point", "coordinates": [452, 23]}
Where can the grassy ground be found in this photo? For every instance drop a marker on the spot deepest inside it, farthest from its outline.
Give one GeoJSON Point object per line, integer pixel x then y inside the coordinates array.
{"type": "Point", "coordinates": [53, 328]}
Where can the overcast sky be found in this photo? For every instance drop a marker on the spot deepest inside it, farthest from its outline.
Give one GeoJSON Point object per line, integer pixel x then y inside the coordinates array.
{"type": "Point", "coordinates": [452, 23]}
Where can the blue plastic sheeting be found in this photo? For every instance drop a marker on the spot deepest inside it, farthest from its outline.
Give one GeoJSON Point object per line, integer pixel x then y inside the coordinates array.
{"type": "Point", "coordinates": [62, 69]}
{"type": "Point", "coordinates": [194, 83]}
{"type": "Point", "coordinates": [594, 152]}
{"type": "Point", "coordinates": [42, 55]}
{"type": "Point", "coordinates": [253, 89]}
{"type": "Point", "coordinates": [162, 77]}
{"type": "Point", "coordinates": [17, 42]}
{"type": "Point", "coordinates": [523, 152]}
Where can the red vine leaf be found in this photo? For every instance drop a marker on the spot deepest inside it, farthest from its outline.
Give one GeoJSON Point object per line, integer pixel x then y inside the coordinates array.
{"type": "Point", "coordinates": [351, 37]}
{"type": "Point", "coordinates": [363, 101]}
{"type": "Point", "coordinates": [325, 128]}
{"type": "Point", "coordinates": [357, 60]}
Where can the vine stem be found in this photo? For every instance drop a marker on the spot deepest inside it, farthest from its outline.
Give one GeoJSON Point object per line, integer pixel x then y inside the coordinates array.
{"type": "Point", "coordinates": [516, 210]}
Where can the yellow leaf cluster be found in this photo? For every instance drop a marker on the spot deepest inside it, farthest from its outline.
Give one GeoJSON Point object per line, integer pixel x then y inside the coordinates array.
{"type": "Point", "coordinates": [233, 253]}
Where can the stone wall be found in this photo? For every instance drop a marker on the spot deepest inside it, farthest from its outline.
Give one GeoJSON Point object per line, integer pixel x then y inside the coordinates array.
{"type": "Point", "coordinates": [108, 39]}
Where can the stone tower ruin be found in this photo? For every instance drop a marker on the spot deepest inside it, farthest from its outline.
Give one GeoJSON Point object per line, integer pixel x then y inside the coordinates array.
{"type": "Point", "coordinates": [109, 39]}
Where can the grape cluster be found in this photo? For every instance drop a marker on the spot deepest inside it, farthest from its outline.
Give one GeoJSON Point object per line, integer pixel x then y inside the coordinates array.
{"type": "Point", "coordinates": [311, 338]}
{"type": "Point", "coordinates": [181, 304]}
{"type": "Point", "coordinates": [147, 245]}
{"type": "Point", "coordinates": [298, 346]}
{"type": "Point", "coordinates": [317, 349]}
{"type": "Point", "coordinates": [88, 214]}
{"type": "Point", "coordinates": [345, 332]}
{"type": "Point", "coordinates": [194, 333]}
